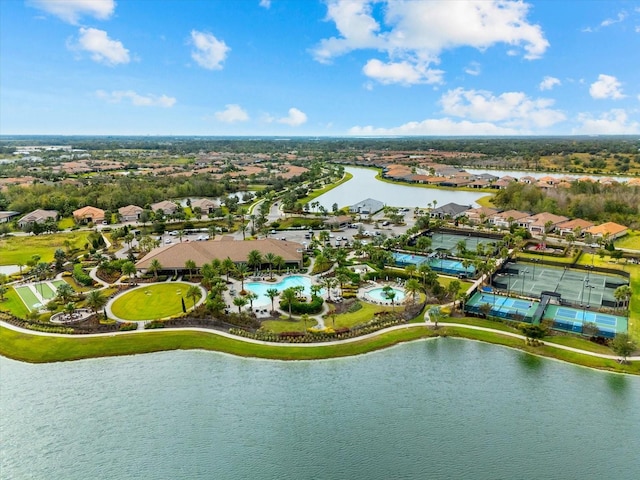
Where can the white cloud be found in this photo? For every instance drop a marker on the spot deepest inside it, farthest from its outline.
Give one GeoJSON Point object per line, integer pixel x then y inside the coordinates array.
{"type": "Point", "coordinates": [637, 29]}
{"type": "Point", "coordinates": [102, 48]}
{"type": "Point", "coordinates": [473, 69]}
{"type": "Point", "coordinates": [70, 11]}
{"type": "Point", "coordinates": [437, 126]}
{"type": "Point", "coordinates": [548, 83]}
{"type": "Point", "coordinates": [513, 109]}
{"type": "Point", "coordinates": [265, 3]}
{"type": "Point", "coordinates": [294, 119]}
{"type": "Point", "coordinates": [209, 52]}
{"type": "Point", "coordinates": [136, 99]}
{"type": "Point", "coordinates": [231, 114]}
{"type": "Point", "coordinates": [416, 33]}
{"type": "Point", "coordinates": [607, 86]}
{"type": "Point", "coordinates": [613, 122]}
{"type": "Point", "coordinates": [404, 73]}
{"type": "Point", "coordinates": [610, 21]}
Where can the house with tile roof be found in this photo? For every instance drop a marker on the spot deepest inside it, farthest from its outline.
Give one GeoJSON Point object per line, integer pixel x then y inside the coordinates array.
{"type": "Point", "coordinates": [88, 214]}
{"type": "Point", "coordinates": [130, 213]}
{"type": "Point", "coordinates": [575, 226]}
{"type": "Point", "coordinates": [542, 223]}
{"type": "Point", "coordinates": [167, 207]}
{"type": "Point", "coordinates": [610, 230]}
{"type": "Point", "coordinates": [37, 216]}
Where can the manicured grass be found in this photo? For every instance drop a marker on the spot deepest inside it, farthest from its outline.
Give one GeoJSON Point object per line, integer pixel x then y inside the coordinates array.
{"type": "Point", "coordinates": [631, 240]}
{"type": "Point", "coordinates": [581, 343]}
{"type": "Point", "coordinates": [316, 193]}
{"type": "Point", "coordinates": [445, 281]}
{"type": "Point", "coordinates": [18, 250]}
{"type": "Point", "coordinates": [27, 296]}
{"type": "Point", "coordinates": [285, 325]}
{"type": "Point", "coordinates": [13, 304]}
{"type": "Point", "coordinates": [525, 256]}
{"type": "Point", "coordinates": [151, 302]}
{"type": "Point", "coordinates": [365, 314]}
{"type": "Point", "coordinates": [486, 201]}
{"type": "Point", "coordinates": [66, 223]}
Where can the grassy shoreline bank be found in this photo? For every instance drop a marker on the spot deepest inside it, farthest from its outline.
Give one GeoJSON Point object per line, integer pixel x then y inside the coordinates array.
{"type": "Point", "coordinates": [321, 191]}
{"type": "Point", "coordinates": [46, 349]}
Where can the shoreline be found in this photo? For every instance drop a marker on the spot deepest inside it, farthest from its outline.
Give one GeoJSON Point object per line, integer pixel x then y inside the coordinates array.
{"type": "Point", "coordinates": [65, 347]}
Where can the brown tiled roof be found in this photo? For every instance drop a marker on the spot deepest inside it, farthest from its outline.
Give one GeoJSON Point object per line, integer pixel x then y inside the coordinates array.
{"type": "Point", "coordinates": [175, 256]}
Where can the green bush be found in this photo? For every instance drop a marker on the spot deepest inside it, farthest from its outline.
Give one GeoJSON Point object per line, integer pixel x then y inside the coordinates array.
{"type": "Point", "coordinates": [300, 308]}
{"type": "Point", "coordinates": [81, 276]}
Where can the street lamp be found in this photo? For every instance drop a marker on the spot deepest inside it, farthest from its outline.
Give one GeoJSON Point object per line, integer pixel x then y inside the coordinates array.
{"type": "Point", "coordinates": [590, 287]}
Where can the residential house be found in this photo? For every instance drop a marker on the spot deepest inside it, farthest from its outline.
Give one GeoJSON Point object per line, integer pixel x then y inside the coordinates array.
{"type": "Point", "coordinates": [542, 223]}
{"type": "Point", "coordinates": [167, 207]}
{"type": "Point", "coordinates": [609, 230]}
{"type": "Point", "coordinates": [37, 216]}
{"type": "Point", "coordinates": [205, 205]}
{"type": "Point", "coordinates": [367, 207]}
{"type": "Point", "coordinates": [88, 214]}
{"type": "Point", "coordinates": [576, 225]}
{"type": "Point", "coordinates": [507, 218]}
{"type": "Point", "coordinates": [450, 210]}
{"type": "Point", "coordinates": [130, 213]}
{"type": "Point", "coordinates": [6, 216]}
{"type": "Point", "coordinates": [480, 215]}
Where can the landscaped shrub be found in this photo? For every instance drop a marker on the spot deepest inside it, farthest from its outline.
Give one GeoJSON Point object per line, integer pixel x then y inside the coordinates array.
{"type": "Point", "coordinates": [154, 324]}
{"type": "Point", "coordinates": [81, 276]}
{"type": "Point", "coordinates": [125, 327]}
{"type": "Point", "coordinates": [300, 308]}
{"type": "Point", "coordinates": [355, 307]}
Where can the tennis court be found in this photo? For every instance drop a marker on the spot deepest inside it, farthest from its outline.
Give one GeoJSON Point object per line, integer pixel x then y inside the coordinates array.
{"type": "Point", "coordinates": [573, 319]}
{"type": "Point", "coordinates": [579, 287]}
{"type": "Point", "coordinates": [435, 262]}
{"type": "Point", "coordinates": [450, 241]}
{"type": "Point", "coordinates": [501, 306]}
{"type": "Point", "coordinates": [35, 295]}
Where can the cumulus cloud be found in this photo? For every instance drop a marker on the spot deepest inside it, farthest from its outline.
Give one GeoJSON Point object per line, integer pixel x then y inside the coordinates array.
{"type": "Point", "coordinates": [295, 118]}
{"type": "Point", "coordinates": [136, 99]}
{"type": "Point", "coordinates": [209, 52]}
{"type": "Point", "coordinates": [231, 114]}
{"type": "Point", "coordinates": [613, 122]}
{"type": "Point", "coordinates": [607, 86]}
{"type": "Point", "coordinates": [610, 21]}
{"type": "Point", "coordinates": [265, 3]}
{"type": "Point", "coordinates": [416, 33]}
{"type": "Point", "coordinates": [512, 109]}
{"type": "Point", "coordinates": [548, 83]}
{"type": "Point", "coordinates": [101, 48]}
{"type": "Point", "coordinates": [70, 11]}
{"type": "Point", "coordinates": [473, 69]}
{"type": "Point", "coordinates": [438, 126]}
{"type": "Point", "coordinates": [404, 73]}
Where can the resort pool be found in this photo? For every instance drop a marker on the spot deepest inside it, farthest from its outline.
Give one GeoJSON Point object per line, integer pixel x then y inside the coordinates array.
{"type": "Point", "coordinates": [260, 288]}
{"type": "Point", "coordinates": [378, 295]}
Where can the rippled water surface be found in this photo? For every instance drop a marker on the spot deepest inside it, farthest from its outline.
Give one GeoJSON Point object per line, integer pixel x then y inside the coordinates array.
{"type": "Point", "coordinates": [437, 409]}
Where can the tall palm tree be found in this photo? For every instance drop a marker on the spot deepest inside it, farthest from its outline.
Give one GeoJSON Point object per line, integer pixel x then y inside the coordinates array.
{"type": "Point", "coordinates": [251, 296]}
{"type": "Point", "coordinates": [155, 267]}
{"type": "Point", "coordinates": [191, 266]}
{"type": "Point", "coordinates": [129, 268]}
{"type": "Point", "coordinates": [272, 293]}
{"type": "Point", "coordinates": [270, 259]}
{"type": "Point", "coordinates": [254, 259]}
{"type": "Point", "coordinates": [96, 300]}
{"type": "Point", "coordinates": [279, 263]}
{"type": "Point", "coordinates": [239, 302]}
{"type": "Point", "coordinates": [288, 296]}
{"type": "Point", "coordinates": [64, 292]}
{"type": "Point", "coordinates": [412, 287]}
{"type": "Point", "coordinates": [622, 294]}
{"type": "Point", "coordinates": [193, 292]}
{"type": "Point", "coordinates": [228, 266]}
{"type": "Point", "coordinates": [241, 270]}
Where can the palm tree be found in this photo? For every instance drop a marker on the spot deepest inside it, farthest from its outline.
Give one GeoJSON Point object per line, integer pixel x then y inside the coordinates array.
{"type": "Point", "coordinates": [622, 294]}
{"type": "Point", "coordinates": [412, 287]}
{"type": "Point", "coordinates": [272, 293]}
{"type": "Point", "coordinates": [288, 296]}
{"type": "Point", "coordinates": [239, 302]}
{"type": "Point", "coordinates": [129, 268]}
{"type": "Point", "coordinates": [390, 294]}
{"type": "Point", "coordinates": [65, 292]}
{"type": "Point", "coordinates": [279, 263]}
{"type": "Point", "coordinates": [270, 259]}
{"type": "Point", "coordinates": [305, 317]}
{"type": "Point", "coordinates": [251, 296]}
{"type": "Point", "coordinates": [191, 266]}
{"type": "Point", "coordinates": [155, 267]}
{"type": "Point", "coordinates": [410, 270]}
{"type": "Point", "coordinates": [96, 300]}
{"type": "Point", "coordinates": [254, 259]}
{"type": "Point", "coordinates": [193, 292]}
{"type": "Point", "coordinates": [241, 270]}
{"type": "Point", "coordinates": [228, 266]}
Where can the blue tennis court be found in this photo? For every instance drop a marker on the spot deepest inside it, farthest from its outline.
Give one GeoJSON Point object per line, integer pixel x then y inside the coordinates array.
{"type": "Point", "coordinates": [501, 306]}
{"type": "Point", "coordinates": [573, 319]}
{"type": "Point", "coordinates": [444, 265]}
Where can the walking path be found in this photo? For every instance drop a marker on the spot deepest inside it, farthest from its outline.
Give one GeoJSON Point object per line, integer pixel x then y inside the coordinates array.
{"type": "Point", "coordinates": [320, 344]}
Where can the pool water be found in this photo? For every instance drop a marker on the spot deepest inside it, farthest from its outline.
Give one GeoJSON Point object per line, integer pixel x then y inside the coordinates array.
{"type": "Point", "coordinates": [379, 295]}
{"type": "Point", "coordinates": [260, 288]}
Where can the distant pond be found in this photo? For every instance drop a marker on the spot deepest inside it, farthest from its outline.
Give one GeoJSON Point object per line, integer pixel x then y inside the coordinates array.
{"type": "Point", "coordinates": [364, 185]}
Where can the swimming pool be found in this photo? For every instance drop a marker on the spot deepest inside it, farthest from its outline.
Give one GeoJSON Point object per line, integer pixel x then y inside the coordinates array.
{"type": "Point", "coordinates": [260, 288]}
{"type": "Point", "coordinates": [378, 295]}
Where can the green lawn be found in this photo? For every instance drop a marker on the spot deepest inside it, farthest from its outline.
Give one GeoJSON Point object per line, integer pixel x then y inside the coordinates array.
{"type": "Point", "coordinates": [316, 193]}
{"type": "Point", "coordinates": [18, 250]}
{"type": "Point", "coordinates": [285, 325]}
{"type": "Point", "coordinates": [151, 302]}
{"type": "Point", "coordinates": [365, 314]}
{"type": "Point", "coordinates": [630, 240]}
{"type": "Point", "coordinates": [13, 304]}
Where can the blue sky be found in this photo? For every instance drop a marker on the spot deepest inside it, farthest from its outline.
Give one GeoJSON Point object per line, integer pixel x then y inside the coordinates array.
{"type": "Point", "coordinates": [319, 67]}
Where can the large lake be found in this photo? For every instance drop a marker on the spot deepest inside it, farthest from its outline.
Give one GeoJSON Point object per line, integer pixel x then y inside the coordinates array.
{"type": "Point", "coordinates": [435, 409]}
{"type": "Point", "coordinates": [364, 185]}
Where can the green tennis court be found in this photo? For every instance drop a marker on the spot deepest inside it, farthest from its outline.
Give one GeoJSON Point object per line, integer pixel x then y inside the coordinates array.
{"type": "Point", "coordinates": [573, 319]}
{"type": "Point", "coordinates": [35, 295]}
{"type": "Point", "coordinates": [450, 241]}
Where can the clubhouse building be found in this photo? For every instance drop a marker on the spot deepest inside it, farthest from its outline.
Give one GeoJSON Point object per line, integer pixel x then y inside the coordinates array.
{"type": "Point", "coordinates": [174, 257]}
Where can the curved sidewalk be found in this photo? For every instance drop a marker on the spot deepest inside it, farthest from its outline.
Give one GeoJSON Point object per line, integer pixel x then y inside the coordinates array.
{"type": "Point", "coordinates": [319, 344]}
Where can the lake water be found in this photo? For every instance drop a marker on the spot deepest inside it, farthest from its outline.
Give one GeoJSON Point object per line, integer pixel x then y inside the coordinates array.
{"type": "Point", "coordinates": [436, 409]}
{"type": "Point", "coordinates": [364, 185]}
